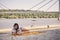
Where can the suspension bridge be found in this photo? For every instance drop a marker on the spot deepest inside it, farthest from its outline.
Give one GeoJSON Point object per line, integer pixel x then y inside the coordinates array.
{"type": "Point", "coordinates": [33, 28]}
{"type": "Point", "coordinates": [2, 6]}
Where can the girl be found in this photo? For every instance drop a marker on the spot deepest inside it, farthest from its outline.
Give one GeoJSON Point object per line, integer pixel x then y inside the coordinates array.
{"type": "Point", "coordinates": [16, 29]}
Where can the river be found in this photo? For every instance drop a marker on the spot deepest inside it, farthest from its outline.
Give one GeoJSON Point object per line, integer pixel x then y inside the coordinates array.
{"type": "Point", "coordinates": [8, 23]}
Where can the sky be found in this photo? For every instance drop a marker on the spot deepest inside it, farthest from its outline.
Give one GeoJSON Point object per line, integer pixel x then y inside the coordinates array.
{"type": "Point", "coordinates": [27, 4]}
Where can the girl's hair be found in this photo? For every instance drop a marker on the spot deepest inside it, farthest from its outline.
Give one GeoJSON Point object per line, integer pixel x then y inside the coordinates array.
{"type": "Point", "coordinates": [17, 26]}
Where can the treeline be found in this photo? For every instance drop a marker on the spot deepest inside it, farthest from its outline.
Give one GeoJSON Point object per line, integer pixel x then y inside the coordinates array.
{"type": "Point", "coordinates": [29, 15]}
{"type": "Point", "coordinates": [26, 14]}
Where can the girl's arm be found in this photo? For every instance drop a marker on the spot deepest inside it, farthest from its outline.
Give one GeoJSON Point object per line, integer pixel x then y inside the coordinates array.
{"type": "Point", "coordinates": [25, 29]}
{"type": "Point", "coordinates": [13, 32]}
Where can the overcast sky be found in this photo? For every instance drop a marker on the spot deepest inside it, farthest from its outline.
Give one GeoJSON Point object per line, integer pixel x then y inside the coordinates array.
{"type": "Point", "coordinates": [26, 4]}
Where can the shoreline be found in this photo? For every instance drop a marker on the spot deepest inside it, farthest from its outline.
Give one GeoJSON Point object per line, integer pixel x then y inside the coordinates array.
{"type": "Point", "coordinates": [38, 28]}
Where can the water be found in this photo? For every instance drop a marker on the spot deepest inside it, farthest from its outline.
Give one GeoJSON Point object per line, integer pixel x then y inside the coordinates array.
{"type": "Point", "coordinates": [49, 35]}
{"type": "Point", "coordinates": [8, 23]}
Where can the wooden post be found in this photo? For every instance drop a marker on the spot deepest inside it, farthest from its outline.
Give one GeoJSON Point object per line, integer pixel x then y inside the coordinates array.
{"type": "Point", "coordinates": [47, 26]}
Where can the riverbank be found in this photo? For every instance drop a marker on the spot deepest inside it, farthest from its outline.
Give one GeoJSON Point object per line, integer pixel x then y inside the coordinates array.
{"type": "Point", "coordinates": [35, 28]}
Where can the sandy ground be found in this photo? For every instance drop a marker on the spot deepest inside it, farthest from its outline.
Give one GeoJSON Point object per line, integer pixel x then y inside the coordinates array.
{"type": "Point", "coordinates": [49, 35]}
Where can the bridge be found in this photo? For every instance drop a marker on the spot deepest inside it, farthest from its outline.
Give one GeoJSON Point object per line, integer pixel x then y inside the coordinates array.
{"type": "Point", "coordinates": [5, 7]}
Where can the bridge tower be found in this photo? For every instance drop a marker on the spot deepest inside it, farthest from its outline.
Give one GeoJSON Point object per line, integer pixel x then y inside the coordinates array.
{"type": "Point", "coordinates": [59, 11]}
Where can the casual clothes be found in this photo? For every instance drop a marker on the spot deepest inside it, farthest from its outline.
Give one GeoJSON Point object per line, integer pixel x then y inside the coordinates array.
{"type": "Point", "coordinates": [19, 30]}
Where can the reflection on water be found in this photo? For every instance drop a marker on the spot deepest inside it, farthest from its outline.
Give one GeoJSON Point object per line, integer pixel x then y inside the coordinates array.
{"type": "Point", "coordinates": [49, 35]}
{"type": "Point", "coordinates": [6, 23]}
{"type": "Point", "coordinates": [5, 36]}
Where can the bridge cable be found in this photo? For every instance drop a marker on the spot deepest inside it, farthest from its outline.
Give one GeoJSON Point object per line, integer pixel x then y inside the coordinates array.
{"type": "Point", "coordinates": [37, 4]}
{"type": "Point", "coordinates": [1, 7]}
{"type": "Point", "coordinates": [4, 6]}
{"type": "Point", "coordinates": [44, 5]}
{"type": "Point", "coordinates": [52, 5]}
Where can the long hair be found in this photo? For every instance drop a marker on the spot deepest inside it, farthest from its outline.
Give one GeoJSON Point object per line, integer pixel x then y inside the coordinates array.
{"type": "Point", "coordinates": [17, 26]}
